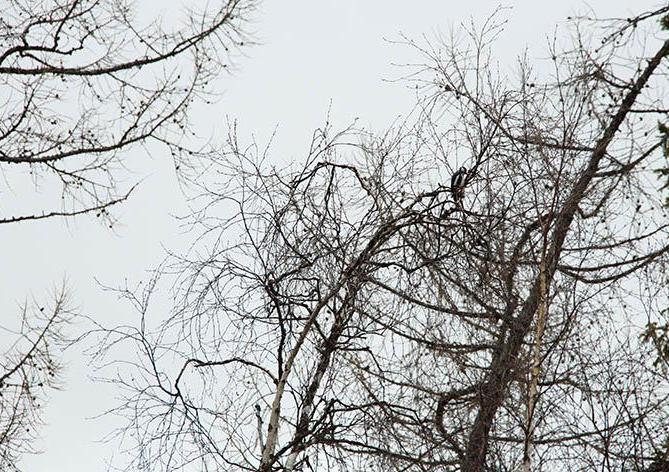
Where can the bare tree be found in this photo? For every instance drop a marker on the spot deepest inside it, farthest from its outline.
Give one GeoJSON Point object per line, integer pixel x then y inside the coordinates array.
{"type": "Point", "coordinates": [29, 367]}
{"type": "Point", "coordinates": [84, 85]}
{"type": "Point", "coordinates": [347, 313]}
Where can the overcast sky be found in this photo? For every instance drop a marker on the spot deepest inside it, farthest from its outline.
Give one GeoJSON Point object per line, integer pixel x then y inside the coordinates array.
{"type": "Point", "coordinates": [311, 53]}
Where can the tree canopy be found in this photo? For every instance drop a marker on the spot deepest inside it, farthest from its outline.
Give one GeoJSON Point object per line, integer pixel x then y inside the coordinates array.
{"type": "Point", "coordinates": [347, 313]}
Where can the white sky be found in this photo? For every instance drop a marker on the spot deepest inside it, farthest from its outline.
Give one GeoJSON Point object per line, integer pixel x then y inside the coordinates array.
{"type": "Point", "coordinates": [311, 53]}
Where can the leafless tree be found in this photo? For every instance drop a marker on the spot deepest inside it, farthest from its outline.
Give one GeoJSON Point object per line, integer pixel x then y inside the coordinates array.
{"type": "Point", "coordinates": [29, 367]}
{"type": "Point", "coordinates": [345, 313]}
{"type": "Point", "coordinates": [84, 85]}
